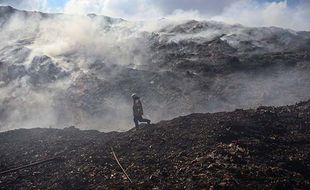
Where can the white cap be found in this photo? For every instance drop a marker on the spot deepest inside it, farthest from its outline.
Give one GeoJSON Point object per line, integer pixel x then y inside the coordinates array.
{"type": "Point", "coordinates": [134, 95]}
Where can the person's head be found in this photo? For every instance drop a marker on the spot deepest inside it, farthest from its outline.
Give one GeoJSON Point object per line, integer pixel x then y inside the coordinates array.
{"type": "Point", "coordinates": [135, 96]}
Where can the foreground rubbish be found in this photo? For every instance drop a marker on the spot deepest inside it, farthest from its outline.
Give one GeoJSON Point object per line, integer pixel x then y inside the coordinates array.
{"type": "Point", "coordinates": [263, 148]}
{"type": "Point", "coordinates": [29, 165]}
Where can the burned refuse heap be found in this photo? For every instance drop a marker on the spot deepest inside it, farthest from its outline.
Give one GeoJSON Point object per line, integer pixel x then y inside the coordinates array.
{"type": "Point", "coordinates": [81, 70]}
{"type": "Point", "coordinates": [263, 148]}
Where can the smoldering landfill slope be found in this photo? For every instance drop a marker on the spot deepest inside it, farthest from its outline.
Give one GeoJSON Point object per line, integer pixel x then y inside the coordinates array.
{"type": "Point", "coordinates": [263, 148]}
{"type": "Point", "coordinates": [60, 70]}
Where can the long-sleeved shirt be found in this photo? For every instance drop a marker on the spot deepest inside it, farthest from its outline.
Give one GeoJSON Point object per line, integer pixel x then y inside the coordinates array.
{"type": "Point", "coordinates": [137, 108]}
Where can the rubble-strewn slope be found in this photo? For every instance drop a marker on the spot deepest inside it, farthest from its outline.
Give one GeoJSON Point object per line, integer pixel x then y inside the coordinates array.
{"type": "Point", "coordinates": [263, 148]}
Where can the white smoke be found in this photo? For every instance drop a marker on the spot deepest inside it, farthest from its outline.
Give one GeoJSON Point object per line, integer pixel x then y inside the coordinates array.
{"type": "Point", "coordinates": [278, 14]}
{"type": "Point", "coordinates": [246, 12]}
{"type": "Point", "coordinates": [31, 5]}
{"type": "Point", "coordinates": [74, 42]}
{"type": "Point", "coordinates": [134, 9]}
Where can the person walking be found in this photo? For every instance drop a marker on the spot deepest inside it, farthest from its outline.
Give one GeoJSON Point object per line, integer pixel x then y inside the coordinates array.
{"type": "Point", "coordinates": [138, 111]}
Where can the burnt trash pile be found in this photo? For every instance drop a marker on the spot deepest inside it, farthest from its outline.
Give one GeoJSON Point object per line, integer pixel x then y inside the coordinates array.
{"type": "Point", "coordinates": [178, 68]}
{"type": "Point", "coordinates": [263, 148]}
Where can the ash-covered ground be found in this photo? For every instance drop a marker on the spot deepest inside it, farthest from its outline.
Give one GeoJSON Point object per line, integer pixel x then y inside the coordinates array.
{"type": "Point", "coordinates": [263, 148]}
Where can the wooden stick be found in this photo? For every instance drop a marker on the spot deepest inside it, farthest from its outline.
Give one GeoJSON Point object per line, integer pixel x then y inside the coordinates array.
{"type": "Point", "coordinates": [120, 165]}
{"type": "Point", "coordinates": [29, 165]}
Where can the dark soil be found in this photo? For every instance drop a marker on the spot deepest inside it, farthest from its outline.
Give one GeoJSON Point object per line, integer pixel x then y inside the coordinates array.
{"type": "Point", "coordinates": [265, 148]}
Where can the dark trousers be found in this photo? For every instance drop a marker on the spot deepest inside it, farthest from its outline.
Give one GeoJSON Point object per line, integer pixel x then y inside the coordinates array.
{"type": "Point", "coordinates": [138, 119]}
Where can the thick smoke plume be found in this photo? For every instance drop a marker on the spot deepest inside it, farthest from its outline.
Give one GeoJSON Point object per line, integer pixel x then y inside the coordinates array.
{"type": "Point", "coordinates": [291, 14]}
{"type": "Point", "coordinates": [60, 70]}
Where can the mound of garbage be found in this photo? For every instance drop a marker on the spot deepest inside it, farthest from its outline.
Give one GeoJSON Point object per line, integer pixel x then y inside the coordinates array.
{"type": "Point", "coordinates": [263, 148]}
{"type": "Point", "coordinates": [81, 70]}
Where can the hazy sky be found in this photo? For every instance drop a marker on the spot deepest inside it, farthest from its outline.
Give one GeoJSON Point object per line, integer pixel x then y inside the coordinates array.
{"type": "Point", "coordinates": [283, 13]}
{"type": "Point", "coordinates": [130, 6]}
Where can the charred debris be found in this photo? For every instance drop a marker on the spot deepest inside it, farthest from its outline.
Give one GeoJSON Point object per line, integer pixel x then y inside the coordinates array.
{"type": "Point", "coordinates": [263, 148]}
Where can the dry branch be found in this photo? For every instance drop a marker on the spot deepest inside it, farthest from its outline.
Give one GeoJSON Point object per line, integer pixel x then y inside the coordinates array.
{"type": "Point", "coordinates": [29, 165]}
{"type": "Point", "coordinates": [120, 165]}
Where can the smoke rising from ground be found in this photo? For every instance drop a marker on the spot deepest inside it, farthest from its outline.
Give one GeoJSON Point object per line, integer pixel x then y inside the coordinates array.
{"type": "Point", "coordinates": [62, 70]}
{"type": "Point", "coordinates": [254, 13]}
{"type": "Point", "coordinates": [246, 12]}
{"type": "Point", "coordinates": [278, 14]}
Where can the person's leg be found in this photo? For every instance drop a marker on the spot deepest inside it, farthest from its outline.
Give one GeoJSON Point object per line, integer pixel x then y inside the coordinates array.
{"type": "Point", "coordinates": [145, 120]}
{"type": "Point", "coordinates": [135, 119]}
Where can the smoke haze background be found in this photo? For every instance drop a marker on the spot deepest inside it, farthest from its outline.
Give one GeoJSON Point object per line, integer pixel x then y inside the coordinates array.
{"type": "Point", "coordinates": [291, 14]}
{"type": "Point", "coordinates": [74, 49]}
